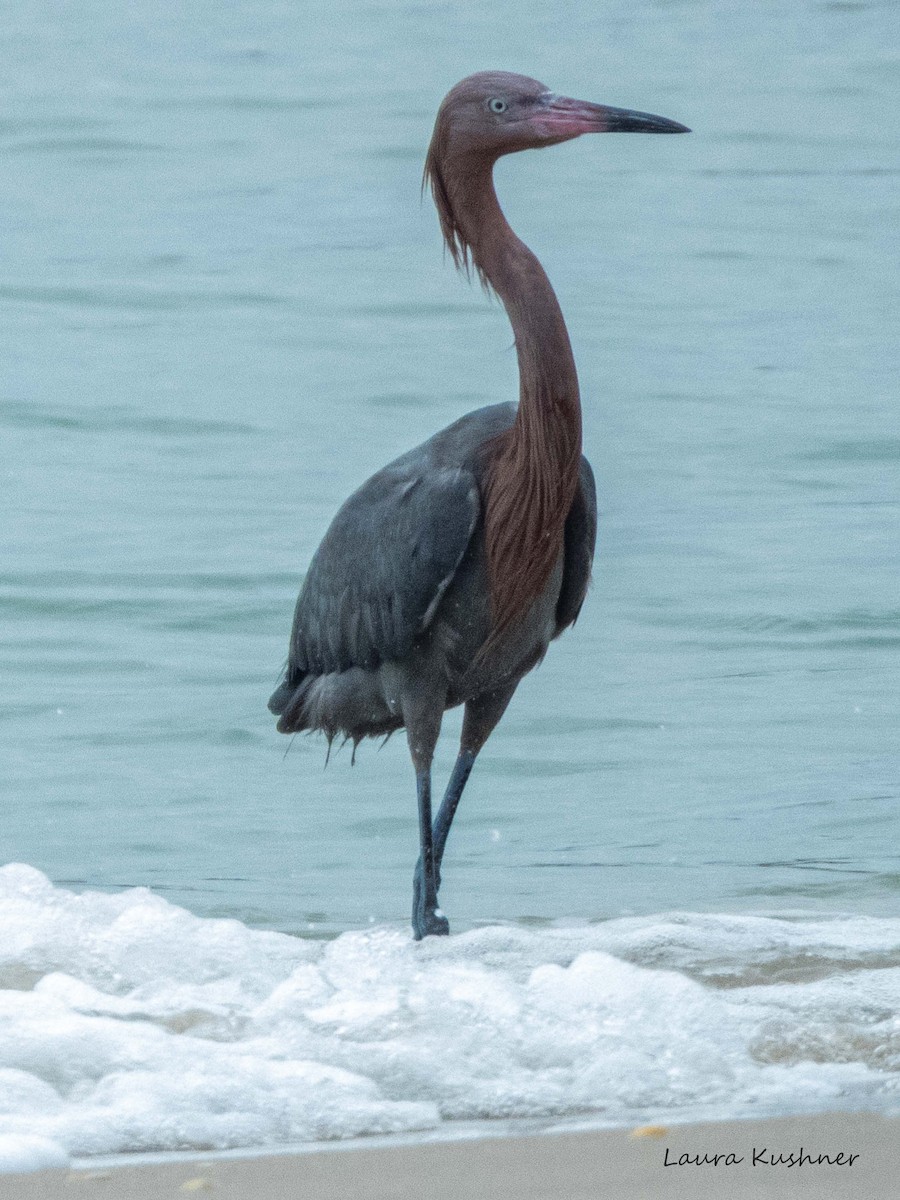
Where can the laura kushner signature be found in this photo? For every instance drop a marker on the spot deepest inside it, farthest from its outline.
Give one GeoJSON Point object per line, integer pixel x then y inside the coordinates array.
{"type": "Point", "coordinates": [760, 1157]}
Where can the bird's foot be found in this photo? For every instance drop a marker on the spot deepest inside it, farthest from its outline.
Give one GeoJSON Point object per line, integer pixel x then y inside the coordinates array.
{"type": "Point", "coordinates": [429, 922]}
{"type": "Point", "coordinates": [427, 919]}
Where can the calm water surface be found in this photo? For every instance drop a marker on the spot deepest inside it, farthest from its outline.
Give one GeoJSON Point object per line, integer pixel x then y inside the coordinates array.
{"type": "Point", "coordinates": [224, 306]}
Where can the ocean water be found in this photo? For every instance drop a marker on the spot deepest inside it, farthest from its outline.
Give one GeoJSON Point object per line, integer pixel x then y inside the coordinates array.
{"type": "Point", "coordinates": [224, 305]}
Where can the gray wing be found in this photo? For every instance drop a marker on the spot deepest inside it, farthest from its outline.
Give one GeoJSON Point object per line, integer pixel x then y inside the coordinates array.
{"type": "Point", "coordinates": [388, 557]}
{"type": "Point", "coordinates": [580, 539]}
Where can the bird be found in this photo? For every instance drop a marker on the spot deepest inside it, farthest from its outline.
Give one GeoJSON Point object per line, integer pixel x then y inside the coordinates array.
{"type": "Point", "coordinates": [443, 579]}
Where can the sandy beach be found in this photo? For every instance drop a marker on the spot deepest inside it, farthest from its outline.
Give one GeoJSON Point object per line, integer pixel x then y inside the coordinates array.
{"type": "Point", "coordinates": [843, 1155]}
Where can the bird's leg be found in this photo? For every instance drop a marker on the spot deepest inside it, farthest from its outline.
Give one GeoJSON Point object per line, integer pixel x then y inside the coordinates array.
{"type": "Point", "coordinates": [462, 769]}
{"type": "Point", "coordinates": [422, 732]}
{"type": "Point", "coordinates": [442, 821]}
{"type": "Point", "coordinates": [426, 917]}
{"type": "Point", "coordinates": [481, 716]}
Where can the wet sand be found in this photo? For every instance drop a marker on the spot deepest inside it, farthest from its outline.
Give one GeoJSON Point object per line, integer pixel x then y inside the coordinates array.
{"type": "Point", "coordinates": [623, 1164]}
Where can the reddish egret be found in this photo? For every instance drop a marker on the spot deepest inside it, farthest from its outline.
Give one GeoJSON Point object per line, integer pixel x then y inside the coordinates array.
{"type": "Point", "coordinates": [444, 578]}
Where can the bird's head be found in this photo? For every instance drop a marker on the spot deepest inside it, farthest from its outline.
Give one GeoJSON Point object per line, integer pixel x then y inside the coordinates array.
{"type": "Point", "coordinates": [495, 113]}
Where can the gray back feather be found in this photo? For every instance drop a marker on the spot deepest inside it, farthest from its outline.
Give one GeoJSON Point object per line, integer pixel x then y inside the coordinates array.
{"type": "Point", "coordinates": [388, 557]}
{"type": "Point", "coordinates": [580, 539]}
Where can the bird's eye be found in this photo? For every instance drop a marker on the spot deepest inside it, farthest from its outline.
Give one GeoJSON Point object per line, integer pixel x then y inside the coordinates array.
{"type": "Point", "coordinates": [497, 105]}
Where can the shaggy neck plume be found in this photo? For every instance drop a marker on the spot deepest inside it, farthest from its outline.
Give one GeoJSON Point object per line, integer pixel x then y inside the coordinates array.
{"type": "Point", "coordinates": [532, 470]}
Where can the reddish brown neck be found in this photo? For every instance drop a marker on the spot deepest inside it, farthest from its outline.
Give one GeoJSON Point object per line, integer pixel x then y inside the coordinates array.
{"type": "Point", "coordinates": [546, 366]}
{"type": "Point", "coordinates": [533, 470]}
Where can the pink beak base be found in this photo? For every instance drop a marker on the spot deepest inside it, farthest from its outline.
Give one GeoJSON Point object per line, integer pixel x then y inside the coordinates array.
{"type": "Point", "coordinates": [564, 117]}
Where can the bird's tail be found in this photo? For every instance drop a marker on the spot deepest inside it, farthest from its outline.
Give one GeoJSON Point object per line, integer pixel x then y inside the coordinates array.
{"type": "Point", "coordinates": [281, 697]}
{"type": "Point", "coordinates": [348, 702]}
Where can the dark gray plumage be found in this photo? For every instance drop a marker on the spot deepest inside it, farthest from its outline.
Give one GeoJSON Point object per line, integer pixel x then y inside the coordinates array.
{"type": "Point", "coordinates": [395, 606]}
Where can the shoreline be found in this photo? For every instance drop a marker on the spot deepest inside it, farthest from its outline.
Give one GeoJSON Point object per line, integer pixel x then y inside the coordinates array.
{"type": "Point", "coordinates": [844, 1154]}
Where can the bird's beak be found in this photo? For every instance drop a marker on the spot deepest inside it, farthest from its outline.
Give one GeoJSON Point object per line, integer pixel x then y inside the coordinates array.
{"type": "Point", "coordinates": [564, 117]}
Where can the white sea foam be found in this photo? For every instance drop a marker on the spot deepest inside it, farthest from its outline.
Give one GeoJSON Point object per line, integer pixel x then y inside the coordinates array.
{"type": "Point", "coordinates": [129, 1024]}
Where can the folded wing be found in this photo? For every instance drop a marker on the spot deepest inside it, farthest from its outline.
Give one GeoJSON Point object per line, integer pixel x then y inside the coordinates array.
{"type": "Point", "coordinates": [376, 579]}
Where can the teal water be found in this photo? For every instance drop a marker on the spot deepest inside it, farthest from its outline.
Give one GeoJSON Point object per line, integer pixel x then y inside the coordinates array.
{"type": "Point", "coordinates": [224, 306]}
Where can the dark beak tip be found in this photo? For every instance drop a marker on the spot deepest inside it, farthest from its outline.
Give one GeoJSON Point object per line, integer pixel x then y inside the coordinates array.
{"type": "Point", "coordinates": [663, 125]}
{"type": "Point", "coordinates": [628, 120]}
